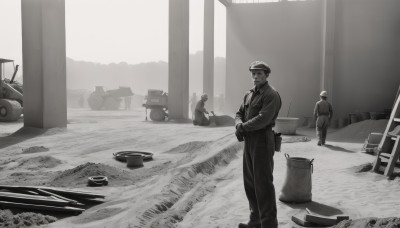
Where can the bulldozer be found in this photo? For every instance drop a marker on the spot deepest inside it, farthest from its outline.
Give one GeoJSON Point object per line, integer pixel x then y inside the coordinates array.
{"type": "Point", "coordinates": [157, 102]}
{"type": "Point", "coordinates": [102, 99]}
{"type": "Point", "coordinates": [11, 95]}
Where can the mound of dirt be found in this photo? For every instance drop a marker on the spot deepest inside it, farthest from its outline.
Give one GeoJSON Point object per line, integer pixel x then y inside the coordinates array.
{"type": "Point", "coordinates": [80, 174]}
{"type": "Point", "coordinates": [358, 132]}
{"type": "Point", "coordinates": [294, 139]}
{"type": "Point", "coordinates": [188, 147]}
{"type": "Point", "coordinates": [224, 120]}
{"type": "Point", "coordinates": [363, 168]}
{"type": "Point", "coordinates": [35, 149]}
{"type": "Point", "coordinates": [25, 219]}
{"type": "Point", "coordinates": [369, 222]}
{"type": "Point", "coordinates": [39, 162]}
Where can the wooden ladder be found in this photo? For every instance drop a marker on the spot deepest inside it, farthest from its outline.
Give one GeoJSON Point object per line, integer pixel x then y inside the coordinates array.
{"type": "Point", "coordinates": [389, 147]}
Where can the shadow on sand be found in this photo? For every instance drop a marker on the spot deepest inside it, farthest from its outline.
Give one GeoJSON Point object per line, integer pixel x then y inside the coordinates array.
{"type": "Point", "coordinates": [22, 134]}
{"type": "Point", "coordinates": [338, 148]}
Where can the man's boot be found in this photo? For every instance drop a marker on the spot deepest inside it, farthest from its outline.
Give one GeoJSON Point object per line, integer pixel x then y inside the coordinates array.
{"type": "Point", "coordinates": [254, 221]}
{"type": "Point", "coordinates": [249, 224]}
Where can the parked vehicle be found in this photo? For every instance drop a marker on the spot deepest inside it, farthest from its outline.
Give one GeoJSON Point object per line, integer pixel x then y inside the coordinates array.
{"type": "Point", "coordinates": [108, 100]}
{"type": "Point", "coordinates": [157, 102]}
{"type": "Point", "coordinates": [11, 98]}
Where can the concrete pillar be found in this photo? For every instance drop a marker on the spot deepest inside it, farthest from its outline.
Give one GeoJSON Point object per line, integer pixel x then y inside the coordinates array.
{"type": "Point", "coordinates": [44, 63]}
{"type": "Point", "coordinates": [328, 45]}
{"type": "Point", "coordinates": [208, 56]}
{"type": "Point", "coordinates": [178, 59]}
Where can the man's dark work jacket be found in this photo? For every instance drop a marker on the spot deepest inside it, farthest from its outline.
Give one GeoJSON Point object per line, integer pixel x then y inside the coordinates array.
{"type": "Point", "coordinates": [257, 114]}
{"type": "Point", "coordinates": [259, 109]}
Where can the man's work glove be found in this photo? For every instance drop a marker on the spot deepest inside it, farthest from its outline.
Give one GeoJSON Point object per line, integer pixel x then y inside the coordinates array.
{"type": "Point", "coordinates": [239, 132]}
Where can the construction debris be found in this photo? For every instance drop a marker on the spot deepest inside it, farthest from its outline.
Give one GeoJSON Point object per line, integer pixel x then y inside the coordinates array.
{"type": "Point", "coordinates": [372, 142]}
{"type": "Point", "coordinates": [43, 198]}
{"type": "Point", "coordinates": [312, 219]}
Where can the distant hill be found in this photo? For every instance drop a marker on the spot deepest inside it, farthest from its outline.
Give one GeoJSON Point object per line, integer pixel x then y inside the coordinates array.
{"type": "Point", "coordinates": [83, 75]}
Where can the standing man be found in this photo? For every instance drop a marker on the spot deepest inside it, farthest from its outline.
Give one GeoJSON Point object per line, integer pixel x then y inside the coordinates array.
{"type": "Point", "coordinates": [254, 122]}
{"type": "Point", "coordinates": [322, 115]}
{"type": "Point", "coordinates": [199, 112]}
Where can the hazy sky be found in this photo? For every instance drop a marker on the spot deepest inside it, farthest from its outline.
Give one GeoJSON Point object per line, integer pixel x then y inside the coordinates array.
{"type": "Point", "coordinates": [106, 31]}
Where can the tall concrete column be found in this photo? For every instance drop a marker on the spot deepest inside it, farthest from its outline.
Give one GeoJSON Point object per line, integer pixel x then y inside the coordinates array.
{"type": "Point", "coordinates": [208, 54]}
{"type": "Point", "coordinates": [178, 59]}
{"type": "Point", "coordinates": [44, 63]}
{"type": "Point", "coordinates": [328, 45]}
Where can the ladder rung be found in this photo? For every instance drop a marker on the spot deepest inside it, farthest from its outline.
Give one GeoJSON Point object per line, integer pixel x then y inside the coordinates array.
{"type": "Point", "coordinates": [385, 155]}
{"type": "Point", "coordinates": [397, 120]}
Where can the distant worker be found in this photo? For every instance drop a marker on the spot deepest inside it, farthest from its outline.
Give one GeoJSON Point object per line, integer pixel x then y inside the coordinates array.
{"type": "Point", "coordinates": [322, 115]}
{"type": "Point", "coordinates": [128, 101]}
{"type": "Point", "coordinates": [193, 102]}
{"type": "Point", "coordinates": [199, 112]}
{"type": "Point", "coordinates": [254, 122]}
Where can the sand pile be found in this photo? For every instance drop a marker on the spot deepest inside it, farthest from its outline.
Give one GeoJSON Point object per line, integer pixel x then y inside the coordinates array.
{"type": "Point", "coordinates": [8, 219]}
{"type": "Point", "coordinates": [294, 139]}
{"type": "Point", "coordinates": [188, 147]}
{"type": "Point", "coordinates": [358, 132]}
{"type": "Point", "coordinates": [222, 120]}
{"type": "Point", "coordinates": [36, 163]}
{"type": "Point", "coordinates": [79, 175]}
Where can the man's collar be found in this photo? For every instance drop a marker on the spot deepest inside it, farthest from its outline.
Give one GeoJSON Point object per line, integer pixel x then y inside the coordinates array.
{"type": "Point", "coordinates": [261, 89]}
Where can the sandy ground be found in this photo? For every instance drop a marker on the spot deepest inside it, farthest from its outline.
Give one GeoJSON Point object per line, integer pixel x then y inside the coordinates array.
{"type": "Point", "coordinates": [195, 178]}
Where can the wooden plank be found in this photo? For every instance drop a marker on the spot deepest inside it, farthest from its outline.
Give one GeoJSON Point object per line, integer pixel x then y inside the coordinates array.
{"type": "Point", "coordinates": [74, 193]}
{"type": "Point", "coordinates": [383, 146]}
{"type": "Point", "coordinates": [32, 199]}
{"type": "Point", "coordinates": [393, 158]}
{"type": "Point", "coordinates": [300, 221]}
{"type": "Point", "coordinates": [56, 191]}
{"type": "Point", "coordinates": [321, 220]}
{"type": "Point", "coordinates": [6, 204]}
{"type": "Point", "coordinates": [377, 163]}
{"type": "Point", "coordinates": [71, 201]}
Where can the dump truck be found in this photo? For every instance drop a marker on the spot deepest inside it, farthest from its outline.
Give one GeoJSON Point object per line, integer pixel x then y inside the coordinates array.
{"type": "Point", "coordinates": [157, 102]}
{"type": "Point", "coordinates": [102, 99]}
{"type": "Point", "coordinates": [11, 94]}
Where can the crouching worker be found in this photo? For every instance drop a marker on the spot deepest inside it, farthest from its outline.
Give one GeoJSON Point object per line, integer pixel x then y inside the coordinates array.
{"type": "Point", "coordinates": [199, 112]}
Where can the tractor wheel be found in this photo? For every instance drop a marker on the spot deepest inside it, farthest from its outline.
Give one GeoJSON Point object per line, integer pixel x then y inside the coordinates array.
{"type": "Point", "coordinates": [157, 115]}
{"type": "Point", "coordinates": [95, 101]}
{"type": "Point", "coordinates": [10, 110]}
{"type": "Point", "coordinates": [112, 103]}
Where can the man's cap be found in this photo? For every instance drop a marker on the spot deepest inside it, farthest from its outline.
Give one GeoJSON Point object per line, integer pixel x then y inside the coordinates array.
{"type": "Point", "coordinates": [204, 96]}
{"type": "Point", "coordinates": [260, 65]}
{"type": "Point", "coordinates": [323, 94]}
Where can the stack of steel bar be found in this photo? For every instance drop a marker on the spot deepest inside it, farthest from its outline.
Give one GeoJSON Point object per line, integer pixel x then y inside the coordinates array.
{"type": "Point", "coordinates": [44, 198]}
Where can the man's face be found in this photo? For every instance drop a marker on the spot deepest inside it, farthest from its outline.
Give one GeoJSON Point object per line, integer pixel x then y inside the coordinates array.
{"type": "Point", "coordinates": [259, 77]}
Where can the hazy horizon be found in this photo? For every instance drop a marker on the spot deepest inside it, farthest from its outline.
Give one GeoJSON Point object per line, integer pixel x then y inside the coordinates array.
{"type": "Point", "coordinates": [104, 31]}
